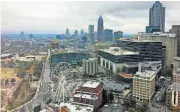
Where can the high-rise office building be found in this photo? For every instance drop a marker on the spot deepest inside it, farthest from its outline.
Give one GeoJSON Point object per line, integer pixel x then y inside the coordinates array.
{"type": "Point", "coordinates": [100, 29]}
{"type": "Point", "coordinates": [22, 35]}
{"type": "Point", "coordinates": [108, 35]}
{"type": "Point", "coordinates": [90, 66]}
{"type": "Point", "coordinates": [176, 30]}
{"type": "Point", "coordinates": [118, 35]}
{"type": "Point", "coordinates": [82, 32]}
{"type": "Point", "coordinates": [31, 36]}
{"type": "Point", "coordinates": [67, 31]}
{"type": "Point", "coordinates": [144, 85]}
{"type": "Point", "coordinates": [157, 15]}
{"type": "Point", "coordinates": [91, 34]}
{"type": "Point", "coordinates": [76, 33]}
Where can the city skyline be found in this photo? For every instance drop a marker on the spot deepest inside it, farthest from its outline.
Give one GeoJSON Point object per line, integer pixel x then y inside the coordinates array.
{"type": "Point", "coordinates": [55, 17]}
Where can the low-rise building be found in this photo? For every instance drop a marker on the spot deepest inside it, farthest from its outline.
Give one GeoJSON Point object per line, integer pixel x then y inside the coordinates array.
{"type": "Point", "coordinates": [144, 85]}
{"type": "Point", "coordinates": [89, 94]}
{"type": "Point", "coordinates": [173, 96]}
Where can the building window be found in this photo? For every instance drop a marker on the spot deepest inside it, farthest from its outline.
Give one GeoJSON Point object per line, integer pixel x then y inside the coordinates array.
{"type": "Point", "coordinates": [111, 67]}
{"type": "Point", "coordinates": [104, 63]}
{"type": "Point", "coordinates": [107, 65]}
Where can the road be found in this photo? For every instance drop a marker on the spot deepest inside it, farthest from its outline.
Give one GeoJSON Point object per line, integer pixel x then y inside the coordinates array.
{"type": "Point", "coordinates": [42, 92]}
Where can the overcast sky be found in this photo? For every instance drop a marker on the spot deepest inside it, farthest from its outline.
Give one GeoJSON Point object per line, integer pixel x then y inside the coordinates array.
{"type": "Point", "coordinates": [55, 17]}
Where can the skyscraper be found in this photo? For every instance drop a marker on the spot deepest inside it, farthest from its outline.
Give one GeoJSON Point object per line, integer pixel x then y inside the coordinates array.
{"type": "Point", "coordinates": [82, 32]}
{"type": "Point", "coordinates": [91, 34]}
{"type": "Point", "coordinates": [108, 35]}
{"type": "Point", "coordinates": [67, 31]}
{"type": "Point", "coordinates": [76, 33]}
{"type": "Point", "coordinates": [118, 35]}
{"type": "Point", "coordinates": [22, 35]}
{"type": "Point", "coordinates": [30, 35]}
{"type": "Point", "coordinates": [157, 15]}
{"type": "Point", "coordinates": [100, 29]}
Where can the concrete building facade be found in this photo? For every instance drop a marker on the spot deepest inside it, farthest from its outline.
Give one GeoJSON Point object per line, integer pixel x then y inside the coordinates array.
{"type": "Point", "coordinates": [176, 30]}
{"type": "Point", "coordinates": [90, 66]}
{"type": "Point", "coordinates": [144, 85]}
{"type": "Point", "coordinates": [169, 43]}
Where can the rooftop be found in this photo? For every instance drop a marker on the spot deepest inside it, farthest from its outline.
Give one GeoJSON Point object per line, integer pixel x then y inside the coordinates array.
{"type": "Point", "coordinates": [174, 87]}
{"type": "Point", "coordinates": [156, 34]}
{"type": "Point", "coordinates": [177, 58]}
{"type": "Point", "coordinates": [76, 108]}
{"type": "Point", "coordinates": [145, 75]}
{"type": "Point", "coordinates": [177, 71]}
{"type": "Point", "coordinates": [125, 75]}
{"type": "Point", "coordinates": [87, 96]}
{"type": "Point", "coordinates": [119, 51]}
{"type": "Point", "coordinates": [91, 84]}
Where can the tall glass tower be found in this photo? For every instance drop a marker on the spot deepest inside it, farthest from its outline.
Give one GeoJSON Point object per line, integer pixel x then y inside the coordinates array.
{"type": "Point", "coordinates": [100, 29]}
{"type": "Point", "coordinates": [157, 15]}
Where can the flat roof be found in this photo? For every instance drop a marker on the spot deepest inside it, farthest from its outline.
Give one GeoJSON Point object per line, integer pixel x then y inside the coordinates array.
{"type": "Point", "coordinates": [77, 108]}
{"type": "Point", "coordinates": [4, 55]}
{"type": "Point", "coordinates": [91, 84]}
{"type": "Point", "coordinates": [119, 51]}
{"type": "Point", "coordinates": [146, 73]}
{"type": "Point", "coordinates": [86, 96]}
{"type": "Point", "coordinates": [156, 34]}
{"type": "Point", "coordinates": [175, 86]}
{"type": "Point", "coordinates": [125, 75]}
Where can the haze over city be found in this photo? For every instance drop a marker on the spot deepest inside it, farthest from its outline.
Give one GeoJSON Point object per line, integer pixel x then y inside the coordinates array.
{"type": "Point", "coordinates": [55, 17]}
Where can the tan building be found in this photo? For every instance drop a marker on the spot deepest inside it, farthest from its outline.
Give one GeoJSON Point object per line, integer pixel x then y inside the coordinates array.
{"type": "Point", "coordinates": [144, 85]}
{"type": "Point", "coordinates": [169, 42]}
{"type": "Point", "coordinates": [176, 75]}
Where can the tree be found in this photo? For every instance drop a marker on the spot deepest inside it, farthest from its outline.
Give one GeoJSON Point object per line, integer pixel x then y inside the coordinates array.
{"type": "Point", "coordinates": [110, 96]}
{"type": "Point", "coordinates": [144, 106]}
{"type": "Point", "coordinates": [132, 110]}
{"type": "Point", "coordinates": [13, 80]}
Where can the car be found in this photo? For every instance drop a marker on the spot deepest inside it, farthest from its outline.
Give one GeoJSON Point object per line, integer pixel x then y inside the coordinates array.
{"type": "Point", "coordinates": [106, 106]}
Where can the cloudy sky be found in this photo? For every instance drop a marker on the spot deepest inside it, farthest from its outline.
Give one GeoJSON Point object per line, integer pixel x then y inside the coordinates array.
{"type": "Point", "coordinates": [55, 17]}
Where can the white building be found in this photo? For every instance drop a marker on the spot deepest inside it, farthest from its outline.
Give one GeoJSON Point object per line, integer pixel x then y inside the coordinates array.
{"type": "Point", "coordinates": [169, 43]}
{"type": "Point", "coordinates": [144, 85]}
{"type": "Point", "coordinates": [113, 59]}
{"type": "Point", "coordinates": [90, 66]}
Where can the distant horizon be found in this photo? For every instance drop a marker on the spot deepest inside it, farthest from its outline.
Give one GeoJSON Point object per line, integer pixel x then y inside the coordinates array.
{"type": "Point", "coordinates": [47, 34]}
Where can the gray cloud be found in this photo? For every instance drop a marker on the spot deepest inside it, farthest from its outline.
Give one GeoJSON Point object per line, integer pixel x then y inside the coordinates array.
{"type": "Point", "coordinates": [55, 17]}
